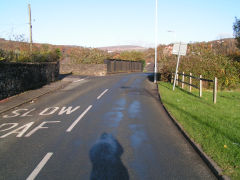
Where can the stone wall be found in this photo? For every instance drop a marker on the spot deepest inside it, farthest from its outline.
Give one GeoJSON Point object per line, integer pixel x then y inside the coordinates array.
{"type": "Point", "coordinates": [18, 77]}
{"type": "Point", "coordinates": [84, 69]}
{"type": "Point", "coordinates": [110, 66]}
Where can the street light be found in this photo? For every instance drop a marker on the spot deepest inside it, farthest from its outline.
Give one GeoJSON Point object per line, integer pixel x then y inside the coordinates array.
{"type": "Point", "coordinates": [156, 38]}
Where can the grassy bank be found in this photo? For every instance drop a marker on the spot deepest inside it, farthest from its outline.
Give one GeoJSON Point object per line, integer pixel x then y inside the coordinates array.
{"type": "Point", "coordinates": [215, 127]}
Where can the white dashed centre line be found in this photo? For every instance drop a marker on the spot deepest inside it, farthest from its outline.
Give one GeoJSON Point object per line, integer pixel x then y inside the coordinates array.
{"type": "Point", "coordinates": [78, 119]}
{"type": "Point", "coordinates": [35, 172]}
{"type": "Point", "coordinates": [102, 94]}
{"type": "Point", "coordinates": [79, 80]}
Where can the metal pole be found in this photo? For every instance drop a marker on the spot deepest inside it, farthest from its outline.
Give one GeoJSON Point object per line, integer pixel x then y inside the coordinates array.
{"type": "Point", "coordinates": [30, 26]}
{"type": "Point", "coordinates": [156, 38]}
{"type": "Point", "coordinates": [174, 83]}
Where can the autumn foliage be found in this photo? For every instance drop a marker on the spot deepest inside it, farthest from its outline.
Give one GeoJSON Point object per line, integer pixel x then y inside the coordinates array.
{"type": "Point", "coordinates": [219, 59]}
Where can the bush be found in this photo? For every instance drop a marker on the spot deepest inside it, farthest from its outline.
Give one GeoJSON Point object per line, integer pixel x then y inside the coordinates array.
{"type": "Point", "coordinates": [209, 66]}
{"type": "Point", "coordinates": [131, 55]}
{"type": "Point", "coordinates": [36, 56]}
{"type": "Point", "coordinates": [88, 56]}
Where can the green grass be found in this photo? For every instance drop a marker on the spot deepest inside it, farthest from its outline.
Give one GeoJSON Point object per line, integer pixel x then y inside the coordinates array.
{"type": "Point", "coordinates": [216, 127]}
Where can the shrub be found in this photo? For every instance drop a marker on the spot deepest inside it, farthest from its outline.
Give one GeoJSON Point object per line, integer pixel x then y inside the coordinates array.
{"type": "Point", "coordinates": [209, 66]}
{"type": "Point", "coordinates": [88, 56]}
{"type": "Point", "coordinates": [132, 55]}
{"type": "Point", "coordinates": [36, 56]}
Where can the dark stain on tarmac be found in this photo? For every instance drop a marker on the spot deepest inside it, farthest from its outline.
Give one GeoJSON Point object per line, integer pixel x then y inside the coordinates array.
{"type": "Point", "coordinates": [105, 156]}
{"type": "Point", "coordinates": [114, 117]}
{"type": "Point", "coordinates": [134, 109]}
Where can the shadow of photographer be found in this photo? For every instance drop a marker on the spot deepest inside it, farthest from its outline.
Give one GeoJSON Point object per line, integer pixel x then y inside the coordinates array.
{"type": "Point", "coordinates": [105, 156]}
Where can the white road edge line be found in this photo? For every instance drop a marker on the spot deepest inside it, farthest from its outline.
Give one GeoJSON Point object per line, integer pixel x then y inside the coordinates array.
{"type": "Point", "coordinates": [102, 94]}
{"type": "Point", "coordinates": [79, 80]}
{"type": "Point", "coordinates": [78, 119]}
{"type": "Point", "coordinates": [35, 172]}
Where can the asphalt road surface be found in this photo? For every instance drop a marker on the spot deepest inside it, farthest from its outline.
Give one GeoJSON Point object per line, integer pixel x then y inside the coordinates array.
{"type": "Point", "coordinates": [96, 128]}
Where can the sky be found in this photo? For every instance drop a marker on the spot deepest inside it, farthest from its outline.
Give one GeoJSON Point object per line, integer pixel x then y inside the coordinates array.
{"type": "Point", "coordinates": [100, 23]}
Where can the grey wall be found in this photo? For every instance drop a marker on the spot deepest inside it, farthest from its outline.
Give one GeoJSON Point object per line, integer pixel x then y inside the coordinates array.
{"type": "Point", "coordinates": [18, 77]}
{"type": "Point", "coordinates": [84, 69]}
{"type": "Point", "coordinates": [110, 66]}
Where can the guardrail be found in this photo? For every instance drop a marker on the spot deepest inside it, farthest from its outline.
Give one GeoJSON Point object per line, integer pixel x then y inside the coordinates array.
{"type": "Point", "coordinates": [200, 79]}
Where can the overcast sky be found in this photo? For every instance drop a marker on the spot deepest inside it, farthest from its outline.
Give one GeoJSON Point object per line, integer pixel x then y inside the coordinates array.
{"type": "Point", "coordinates": [97, 23]}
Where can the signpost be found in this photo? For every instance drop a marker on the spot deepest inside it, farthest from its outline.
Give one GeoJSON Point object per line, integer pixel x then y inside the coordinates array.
{"type": "Point", "coordinates": [179, 49]}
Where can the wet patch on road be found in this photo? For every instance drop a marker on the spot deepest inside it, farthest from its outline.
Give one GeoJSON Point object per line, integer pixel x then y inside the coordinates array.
{"type": "Point", "coordinates": [113, 118]}
{"type": "Point", "coordinates": [134, 109]}
{"type": "Point", "coordinates": [138, 136]}
{"type": "Point", "coordinates": [138, 140]}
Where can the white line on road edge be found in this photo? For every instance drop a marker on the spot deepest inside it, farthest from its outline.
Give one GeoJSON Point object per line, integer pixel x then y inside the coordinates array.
{"type": "Point", "coordinates": [79, 80]}
{"type": "Point", "coordinates": [35, 172]}
{"type": "Point", "coordinates": [78, 119]}
{"type": "Point", "coordinates": [102, 94]}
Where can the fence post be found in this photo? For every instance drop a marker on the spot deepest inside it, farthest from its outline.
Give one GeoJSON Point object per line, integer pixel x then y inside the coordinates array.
{"type": "Point", "coordinates": [200, 86]}
{"type": "Point", "coordinates": [177, 79]}
{"type": "Point", "coordinates": [190, 82]}
{"type": "Point", "coordinates": [183, 80]}
{"type": "Point", "coordinates": [215, 91]}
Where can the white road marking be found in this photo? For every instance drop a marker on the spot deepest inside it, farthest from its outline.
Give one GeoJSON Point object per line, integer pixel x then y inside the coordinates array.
{"type": "Point", "coordinates": [40, 126]}
{"type": "Point", "coordinates": [8, 128]}
{"type": "Point", "coordinates": [20, 131]}
{"type": "Point", "coordinates": [79, 80]}
{"type": "Point", "coordinates": [27, 113]}
{"type": "Point", "coordinates": [102, 94]}
{"type": "Point", "coordinates": [39, 167]}
{"type": "Point", "coordinates": [67, 110]}
{"type": "Point", "coordinates": [78, 119]}
{"type": "Point", "coordinates": [46, 111]}
{"type": "Point", "coordinates": [15, 112]}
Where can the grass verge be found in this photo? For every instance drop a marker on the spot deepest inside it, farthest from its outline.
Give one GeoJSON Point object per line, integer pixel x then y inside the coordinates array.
{"type": "Point", "coordinates": [216, 127]}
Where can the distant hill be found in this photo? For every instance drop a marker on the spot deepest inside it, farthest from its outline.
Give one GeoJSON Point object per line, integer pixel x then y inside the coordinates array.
{"type": "Point", "coordinates": [123, 48]}
{"type": "Point", "coordinates": [13, 45]}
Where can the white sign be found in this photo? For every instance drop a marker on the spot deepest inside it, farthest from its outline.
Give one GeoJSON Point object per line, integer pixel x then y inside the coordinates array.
{"type": "Point", "coordinates": [180, 49]}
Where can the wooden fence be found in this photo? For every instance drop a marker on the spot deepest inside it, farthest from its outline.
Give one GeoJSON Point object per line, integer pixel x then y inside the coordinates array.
{"type": "Point", "coordinates": [190, 83]}
{"type": "Point", "coordinates": [117, 65]}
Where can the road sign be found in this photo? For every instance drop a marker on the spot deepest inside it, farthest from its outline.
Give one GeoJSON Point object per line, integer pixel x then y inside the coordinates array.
{"type": "Point", "coordinates": [180, 49]}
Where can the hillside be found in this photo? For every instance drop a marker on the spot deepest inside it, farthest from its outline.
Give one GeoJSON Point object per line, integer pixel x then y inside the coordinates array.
{"type": "Point", "coordinates": [123, 48]}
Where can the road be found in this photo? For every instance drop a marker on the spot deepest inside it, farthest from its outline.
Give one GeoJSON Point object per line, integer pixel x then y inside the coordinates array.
{"type": "Point", "coordinates": [96, 128]}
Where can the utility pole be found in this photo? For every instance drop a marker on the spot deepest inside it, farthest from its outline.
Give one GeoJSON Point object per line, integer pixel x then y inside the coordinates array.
{"type": "Point", "coordinates": [30, 26]}
{"type": "Point", "coordinates": [156, 41]}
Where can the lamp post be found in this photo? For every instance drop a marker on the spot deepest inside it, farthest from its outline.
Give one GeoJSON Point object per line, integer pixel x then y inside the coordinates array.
{"type": "Point", "coordinates": [156, 38]}
{"type": "Point", "coordinates": [30, 26]}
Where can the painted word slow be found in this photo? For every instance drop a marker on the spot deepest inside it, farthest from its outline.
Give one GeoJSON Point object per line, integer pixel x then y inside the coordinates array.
{"type": "Point", "coordinates": [46, 112]}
